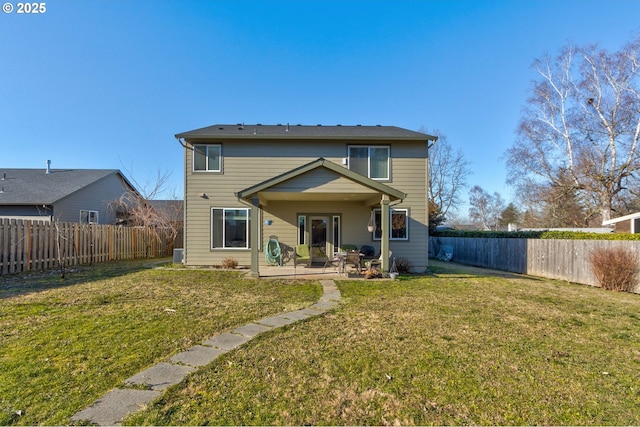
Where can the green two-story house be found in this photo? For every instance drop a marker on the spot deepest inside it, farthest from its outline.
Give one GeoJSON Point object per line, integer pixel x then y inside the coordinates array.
{"type": "Point", "coordinates": [319, 186]}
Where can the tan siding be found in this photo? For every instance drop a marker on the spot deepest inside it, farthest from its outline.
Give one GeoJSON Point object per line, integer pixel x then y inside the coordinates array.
{"type": "Point", "coordinates": [319, 181]}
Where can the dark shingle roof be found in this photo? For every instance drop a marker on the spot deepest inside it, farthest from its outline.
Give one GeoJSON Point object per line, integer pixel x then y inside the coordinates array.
{"type": "Point", "coordinates": [35, 186]}
{"type": "Point", "coordinates": [304, 132]}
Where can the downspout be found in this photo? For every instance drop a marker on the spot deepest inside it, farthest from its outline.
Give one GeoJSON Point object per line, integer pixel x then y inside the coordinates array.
{"type": "Point", "coordinates": [184, 206]}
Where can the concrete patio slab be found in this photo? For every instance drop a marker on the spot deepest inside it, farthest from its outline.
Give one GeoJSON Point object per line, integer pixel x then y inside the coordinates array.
{"type": "Point", "coordinates": [160, 376]}
{"type": "Point", "coordinates": [114, 406]}
{"type": "Point", "coordinates": [197, 355]}
{"type": "Point", "coordinates": [227, 341]}
{"type": "Point", "coordinates": [251, 330]}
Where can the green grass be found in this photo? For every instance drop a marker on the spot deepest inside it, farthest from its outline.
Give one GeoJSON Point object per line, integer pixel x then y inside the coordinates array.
{"type": "Point", "coordinates": [66, 342]}
{"type": "Point", "coordinates": [455, 348]}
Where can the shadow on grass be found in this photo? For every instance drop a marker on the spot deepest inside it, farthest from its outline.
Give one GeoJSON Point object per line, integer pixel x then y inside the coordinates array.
{"type": "Point", "coordinates": [454, 270]}
{"type": "Point", "coordinates": [26, 283]}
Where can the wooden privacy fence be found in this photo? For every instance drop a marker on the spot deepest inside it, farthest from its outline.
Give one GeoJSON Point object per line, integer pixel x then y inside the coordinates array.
{"type": "Point", "coordinates": [551, 258]}
{"type": "Point", "coordinates": [39, 245]}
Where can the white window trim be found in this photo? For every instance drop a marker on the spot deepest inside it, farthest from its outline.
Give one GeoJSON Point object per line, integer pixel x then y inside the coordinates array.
{"type": "Point", "coordinates": [248, 230]}
{"type": "Point", "coordinates": [302, 234]}
{"type": "Point", "coordinates": [89, 212]}
{"type": "Point", "coordinates": [378, 211]}
{"type": "Point", "coordinates": [369, 147]}
{"type": "Point", "coordinates": [206, 169]}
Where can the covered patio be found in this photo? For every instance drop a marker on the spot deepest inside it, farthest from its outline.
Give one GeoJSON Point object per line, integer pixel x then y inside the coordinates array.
{"type": "Point", "coordinates": [319, 181]}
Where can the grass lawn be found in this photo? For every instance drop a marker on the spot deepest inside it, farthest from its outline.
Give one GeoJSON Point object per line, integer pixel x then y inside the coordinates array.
{"type": "Point", "coordinates": [66, 342]}
{"type": "Point", "coordinates": [457, 348]}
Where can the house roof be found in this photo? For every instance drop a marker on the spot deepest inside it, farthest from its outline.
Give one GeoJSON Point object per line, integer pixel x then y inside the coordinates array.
{"type": "Point", "coordinates": [172, 209]}
{"type": "Point", "coordinates": [242, 131]}
{"type": "Point", "coordinates": [36, 187]}
{"type": "Point", "coordinates": [321, 163]}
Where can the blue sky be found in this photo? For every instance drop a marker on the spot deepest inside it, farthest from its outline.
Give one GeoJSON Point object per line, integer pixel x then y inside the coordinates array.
{"type": "Point", "coordinates": [107, 84]}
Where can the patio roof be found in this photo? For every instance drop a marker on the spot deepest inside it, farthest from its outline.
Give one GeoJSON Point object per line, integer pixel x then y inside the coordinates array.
{"type": "Point", "coordinates": [332, 183]}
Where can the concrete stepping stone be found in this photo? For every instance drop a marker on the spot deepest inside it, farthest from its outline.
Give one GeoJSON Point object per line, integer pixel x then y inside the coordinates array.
{"type": "Point", "coordinates": [227, 341]}
{"type": "Point", "coordinates": [299, 314]}
{"type": "Point", "coordinates": [251, 330]}
{"type": "Point", "coordinates": [197, 356]}
{"type": "Point", "coordinates": [324, 305]}
{"type": "Point", "coordinates": [160, 376]}
{"type": "Point", "coordinates": [276, 321]}
{"type": "Point", "coordinates": [114, 406]}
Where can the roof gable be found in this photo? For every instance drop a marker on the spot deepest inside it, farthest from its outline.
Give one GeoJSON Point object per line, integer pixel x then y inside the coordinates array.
{"type": "Point", "coordinates": [37, 187]}
{"type": "Point", "coordinates": [321, 163]}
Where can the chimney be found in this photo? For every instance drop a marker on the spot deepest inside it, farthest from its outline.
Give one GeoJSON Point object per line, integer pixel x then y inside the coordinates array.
{"type": "Point", "coordinates": [48, 166]}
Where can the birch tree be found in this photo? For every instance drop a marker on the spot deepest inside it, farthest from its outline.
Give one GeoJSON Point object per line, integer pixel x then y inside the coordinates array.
{"type": "Point", "coordinates": [484, 208]}
{"type": "Point", "coordinates": [580, 128]}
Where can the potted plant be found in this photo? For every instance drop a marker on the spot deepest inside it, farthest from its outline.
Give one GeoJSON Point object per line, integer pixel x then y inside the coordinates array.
{"type": "Point", "coordinates": [393, 272]}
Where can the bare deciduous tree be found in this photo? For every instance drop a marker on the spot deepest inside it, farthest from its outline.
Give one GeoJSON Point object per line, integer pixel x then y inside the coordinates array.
{"type": "Point", "coordinates": [448, 172]}
{"type": "Point", "coordinates": [139, 208]}
{"type": "Point", "coordinates": [580, 128]}
{"type": "Point", "coordinates": [484, 208]}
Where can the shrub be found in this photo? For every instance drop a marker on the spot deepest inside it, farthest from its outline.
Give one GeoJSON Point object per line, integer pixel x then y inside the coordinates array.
{"type": "Point", "coordinates": [229, 263]}
{"type": "Point", "coordinates": [615, 269]}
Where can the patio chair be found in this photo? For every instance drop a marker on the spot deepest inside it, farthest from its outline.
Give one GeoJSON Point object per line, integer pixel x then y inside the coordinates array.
{"type": "Point", "coordinates": [354, 258]}
{"type": "Point", "coordinates": [302, 256]}
{"type": "Point", "coordinates": [337, 261]}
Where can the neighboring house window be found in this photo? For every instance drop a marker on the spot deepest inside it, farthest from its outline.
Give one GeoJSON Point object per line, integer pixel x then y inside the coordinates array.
{"type": "Point", "coordinates": [399, 224]}
{"type": "Point", "coordinates": [370, 161]}
{"type": "Point", "coordinates": [207, 157]}
{"type": "Point", "coordinates": [88, 217]}
{"type": "Point", "coordinates": [229, 228]}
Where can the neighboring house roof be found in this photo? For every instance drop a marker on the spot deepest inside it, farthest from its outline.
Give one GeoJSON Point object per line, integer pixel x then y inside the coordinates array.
{"type": "Point", "coordinates": [621, 218]}
{"type": "Point", "coordinates": [36, 187]}
{"type": "Point", "coordinates": [173, 209]}
{"type": "Point", "coordinates": [305, 132]}
{"type": "Point", "coordinates": [318, 164]}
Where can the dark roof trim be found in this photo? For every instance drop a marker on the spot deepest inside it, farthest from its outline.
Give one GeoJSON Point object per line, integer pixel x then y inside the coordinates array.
{"type": "Point", "coordinates": [247, 193]}
{"type": "Point", "coordinates": [241, 131]}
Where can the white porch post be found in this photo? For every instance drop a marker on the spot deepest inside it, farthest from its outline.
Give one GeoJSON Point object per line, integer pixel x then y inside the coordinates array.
{"type": "Point", "coordinates": [384, 240]}
{"type": "Point", "coordinates": [254, 230]}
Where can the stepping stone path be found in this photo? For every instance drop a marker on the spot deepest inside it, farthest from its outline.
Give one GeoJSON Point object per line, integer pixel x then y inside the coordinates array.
{"type": "Point", "coordinates": [149, 384]}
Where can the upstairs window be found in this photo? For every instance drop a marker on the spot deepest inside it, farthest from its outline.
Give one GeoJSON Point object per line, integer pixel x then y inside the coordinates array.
{"type": "Point", "coordinates": [207, 157]}
{"type": "Point", "coordinates": [370, 161]}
